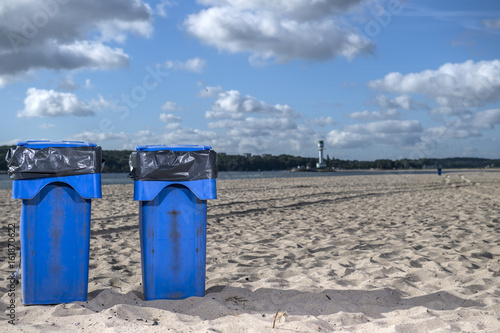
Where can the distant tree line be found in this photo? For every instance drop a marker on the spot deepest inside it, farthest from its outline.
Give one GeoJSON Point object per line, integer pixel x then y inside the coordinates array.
{"type": "Point", "coordinates": [117, 161]}
{"type": "Point", "coordinates": [286, 162]}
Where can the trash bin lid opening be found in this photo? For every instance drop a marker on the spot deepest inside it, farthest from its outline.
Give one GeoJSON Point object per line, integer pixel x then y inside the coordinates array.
{"type": "Point", "coordinates": [39, 144]}
{"type": "Point", "coordinates": [172, 147]}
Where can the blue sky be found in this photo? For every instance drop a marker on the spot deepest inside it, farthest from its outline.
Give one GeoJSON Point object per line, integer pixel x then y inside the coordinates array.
{"type": "Point", "coordinates": [372, 78]}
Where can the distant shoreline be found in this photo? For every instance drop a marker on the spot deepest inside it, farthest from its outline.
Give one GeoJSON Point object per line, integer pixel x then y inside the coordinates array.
{"type": "Point", "coordinates": [110, 178]}
{"type": "Point", "coordinates": [356, 170]}
{"type": "Point", "coordinates": [4, 172]}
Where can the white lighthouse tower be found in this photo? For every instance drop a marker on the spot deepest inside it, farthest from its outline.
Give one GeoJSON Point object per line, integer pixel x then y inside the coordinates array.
{"type": "Point", "coordinates": [321, 163]}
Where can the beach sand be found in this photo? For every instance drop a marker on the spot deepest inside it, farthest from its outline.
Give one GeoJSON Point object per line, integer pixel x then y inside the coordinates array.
{"type": "Point", "coordinates": [378, 253]}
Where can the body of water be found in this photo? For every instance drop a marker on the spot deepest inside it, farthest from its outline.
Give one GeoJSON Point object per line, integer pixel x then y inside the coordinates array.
{"type": "Point", "coordinates": [121, 178]}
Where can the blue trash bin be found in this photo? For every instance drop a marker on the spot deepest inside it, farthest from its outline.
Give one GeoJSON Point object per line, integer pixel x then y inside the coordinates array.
{"type": "Point", "coordinates": [173, 223]}
{"type": "Point", "coordinates": [439, 171]}
{"type": "Point", "coordinates": [55, 224]}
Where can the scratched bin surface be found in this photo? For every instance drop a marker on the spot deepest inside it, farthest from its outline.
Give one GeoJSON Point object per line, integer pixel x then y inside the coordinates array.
{"type": "Point", "coordinates": [173, 244]}
{"type": "Point", "coordinates": [55, 235]}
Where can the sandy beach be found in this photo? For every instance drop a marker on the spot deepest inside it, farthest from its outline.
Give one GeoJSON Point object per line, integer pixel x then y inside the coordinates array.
{"type": "Point", "coordinates": [378, 253]}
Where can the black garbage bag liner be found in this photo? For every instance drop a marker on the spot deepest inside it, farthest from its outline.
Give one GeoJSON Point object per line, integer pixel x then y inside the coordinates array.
{"type": "Point", "coordinates": [30, 163]}
{"type": "Point", "coordinates": [173, 165]}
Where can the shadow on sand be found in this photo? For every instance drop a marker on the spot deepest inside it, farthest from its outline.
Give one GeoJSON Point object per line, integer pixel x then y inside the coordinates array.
{"type": "Point", "coordinates": [227, 301]}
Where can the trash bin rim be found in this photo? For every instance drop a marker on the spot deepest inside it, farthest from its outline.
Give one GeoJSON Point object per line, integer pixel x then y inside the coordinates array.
{"type": "Point", "coordinates": [148, 190]}
{"type": "Point", "coordinates": [172, 147]}
{"type": "Point", "coordinates": [39, 144]}
{"type": "Point", "coordinates": [88, 186]}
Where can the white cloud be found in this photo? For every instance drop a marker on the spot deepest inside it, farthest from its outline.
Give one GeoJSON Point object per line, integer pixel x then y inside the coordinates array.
{"type": "Point", "coordinates": [298, 9]}
{"type": "Point", "coordinates": [171, 106]}
{"type": "Point", "coordinates": [142, 137]}
{"type": "Point", "coordinates": [169, 118]}
{"type": "Point", "coordinates": [283, 30]}
{"type": "Point", "coordinates": [54, 35]}
{"type": "Point", "coordinates": [252, 125]}
{"type": "Point", "coordinates": [3, 82]}
{"type": "Point", "coordinates": [101, 104]}
{"type": "Point", "coordinates": [117, 30]}
{"type": "Point", "coordinates": [245, 124]}
{"type": "Point", "coordinates": [161, 7]}
{"type": "Point", "coordinates": [101, 137]}
{"type": "Point", "coordinates": [404, 102]}
{"type": "Point", "coordinates": [386, 127]}
{"type": "Point", "coordinates": [91, 55]}
{"type": "Point", "coordinates": [458, 86]}
{"type": "Point", "coordinates": [191, 65]}
{"type": "Point", "coordinates": [471, 125]}
{"type": "Point", "coordinates": [263, 127]}
{"type": "Point", "coordinates": [387, 132]}
{"type": "Point", "coordinates": [142, 133]}
{"type": "Point", "coordinates": [6, 79]}
{"type": "Point", "coordinates": [185, 135]}
{"type": "Point", "coordinates": [320, 122]}
{"type": "Point", "coordinates": [257, 140]}
{"type": "Point", "coordinates": [50, 103]}
{"type": "Point", "coordinates": [451, 111]}
{"type": "Point", "coordinates": [88, 84]}
{"type": "Point", "coordinates": [486, 119]}
{"type": "Point", "coordinates": [375, 115]}
{"type": "Point", "coordinates": [445, 132]}
{"type": "Point", "coordinates": [231, 105]}
{"type": "Point", "coordinates": [276, 131]}
{"type": "Point", "coordinates": [172, 126]}
{"type": "Point", "coordinates": [341, 139]}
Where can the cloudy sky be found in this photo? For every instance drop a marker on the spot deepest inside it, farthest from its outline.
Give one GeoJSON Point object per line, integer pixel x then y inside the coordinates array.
{"type": "Point", "coordinates": [373, 78]}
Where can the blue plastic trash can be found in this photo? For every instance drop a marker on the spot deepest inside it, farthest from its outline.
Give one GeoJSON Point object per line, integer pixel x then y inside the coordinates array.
{"type": "Point", "coordinates": [173, 224]}
{"type": "Point", "coordinates": [55, 226]}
